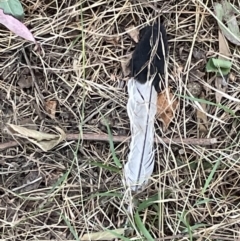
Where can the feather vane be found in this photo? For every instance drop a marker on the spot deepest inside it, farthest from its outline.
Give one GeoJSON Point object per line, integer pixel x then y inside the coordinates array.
{"type": "Point", "coordinates": [141, 108]}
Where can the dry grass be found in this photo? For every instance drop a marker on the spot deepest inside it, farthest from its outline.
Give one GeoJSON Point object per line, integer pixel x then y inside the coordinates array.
{"type": "Point", "coordinates": [77, 189]}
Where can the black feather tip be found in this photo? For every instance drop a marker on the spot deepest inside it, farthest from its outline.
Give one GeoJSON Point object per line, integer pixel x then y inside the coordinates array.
{"type": "Point", "coordinates": [142, 60]}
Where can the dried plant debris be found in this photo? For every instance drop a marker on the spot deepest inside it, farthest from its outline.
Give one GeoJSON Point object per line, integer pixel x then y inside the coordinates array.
{"type": "Point", "coordinates": [45, 141]}
{"type": "Point", "coordinates": [125, 66]}
{"type": "Point", "coordinates": [196, 75]}
{"type": "Point", "coordinates": [112, 40]}
{"type": "Point", "coordinates": [195, 88]}
{"type": "Point", "coordinates": [167, 105]}
{"type": "Point", "coordinates": [202, 118]}
{"type": "Point", "coordinates": [133, 33]}
{"type": "Point", "coordinates": [50, 107]}
{"type": "Point", "coordinates": [221, 66]}
{"type": "Point", "coordinates": [227, 12]}
{"type": "Point", "coordinates": [104, 235]}
{"type": "Point", "coordinates": [198, 54]}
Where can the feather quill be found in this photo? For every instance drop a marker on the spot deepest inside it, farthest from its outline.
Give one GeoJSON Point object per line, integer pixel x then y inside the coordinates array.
{"type": "Point", "coordinates": [141, 108]}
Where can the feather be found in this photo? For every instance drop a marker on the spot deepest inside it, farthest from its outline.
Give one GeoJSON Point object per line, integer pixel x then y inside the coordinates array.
{"type": "Point", "coordinates": [149, 55]}
{"type": "Point", "coordinates": [147, 68]}
{"type": "Point", "coordinates": [141, 108]}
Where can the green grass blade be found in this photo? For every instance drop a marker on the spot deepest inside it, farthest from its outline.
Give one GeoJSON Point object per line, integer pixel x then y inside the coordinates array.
{"type": "Point", "coordinates": [115, 159]}
{"type": "Point", "coordinates": [209, 179]}
{"type": "Point", "coordinates": [109, 168]}
{"type": "Point", "coordinates": [209, 103]}
{"type": "Point", "coordinates": [142, 228]}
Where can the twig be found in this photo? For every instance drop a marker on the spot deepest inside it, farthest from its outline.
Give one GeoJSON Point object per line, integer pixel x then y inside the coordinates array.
{"type": "Point", "coordinates": [123, 139]}
{"type": "Point", "coordinates": [105, 137]}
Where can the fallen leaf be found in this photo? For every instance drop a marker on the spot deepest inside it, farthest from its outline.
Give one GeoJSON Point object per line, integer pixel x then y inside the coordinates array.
{"type": "Point", "coordinates": [103, 235]}
{"type": "Point", "coordinates": [226, 12]}
{"type": "Point", "coordinates": [166, 107]}
{"type": "Point", "coordinates": [223, 46]}
{"type": "Point", "coordinates": [133, 32]}
{"type": "Point", "coordinates": [45, 141]}
{"type": "Point", "coordinates": [12, 7]}
{"type": "Point", "coordinates": [16, 26]}
{"type": "Point", "coordinates": [202, 122]}
{"type": "Point", "coordinates": [219, 66]}
{"type": "Point", "coordinates": [50, 107]}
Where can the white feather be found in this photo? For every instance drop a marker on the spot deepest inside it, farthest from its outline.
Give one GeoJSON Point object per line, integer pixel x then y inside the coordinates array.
{"type": "Point", "coordinates": [139, 166]}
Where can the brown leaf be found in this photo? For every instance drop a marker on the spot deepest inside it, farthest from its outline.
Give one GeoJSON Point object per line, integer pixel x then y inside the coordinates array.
{"type": "Point", "coordinates": [166, 107]}
{"type": "Point", "coordinates": [133, 32]}
{"type": "Point", "coordinates": [202, 122]}
{"type": "Point", "coordinates": [50, 107]}
{"type": "Point", "coordinates": [45, 141]}
{"type": "Point", "coordinates": [223, 46]}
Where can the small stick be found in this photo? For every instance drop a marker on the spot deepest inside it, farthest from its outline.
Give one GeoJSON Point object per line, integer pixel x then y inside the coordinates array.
{"type": "Point", "coordinates": [123, 139]}
{"type": "Point", "coordinates": [105, 137]}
